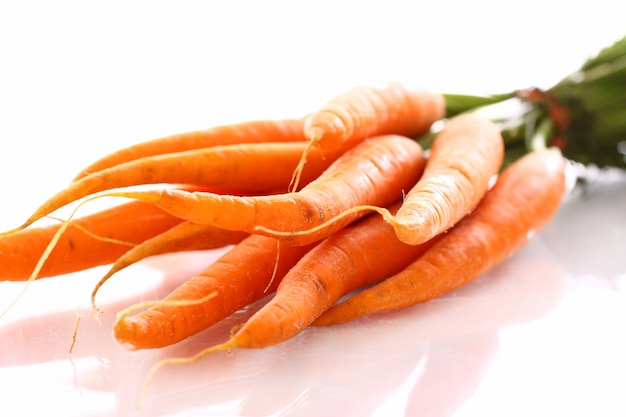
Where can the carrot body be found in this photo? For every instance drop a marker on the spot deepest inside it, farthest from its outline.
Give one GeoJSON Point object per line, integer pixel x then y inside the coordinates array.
{"type": "Point", "coordinates": [185, 236]}
{"type": "Point", "coordinates": [367, 111]}
{"type": "Point", "coordinates": [264, 167]}
{"type": "Point", "coordinates": [131, 222]}
{"type": "Point", "coordinates": [375, 171]}
{"type": "Point", "coordinates": [256, 131]}
{"type": "Point", "coordinates": [356, 256]}
{"type": "Point", "coordinates": [463, 159]}
{"type": "Point", "coordinates": [240, 276]}
{"type": "Point", "coordinates": [524, 198]}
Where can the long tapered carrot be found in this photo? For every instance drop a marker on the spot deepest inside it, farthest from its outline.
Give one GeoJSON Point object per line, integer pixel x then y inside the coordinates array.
{"type": "Point", "coordinates": [131, 222]}
{"type": "Point", "coordinates": [255, 131]}
{"type": "Point", "coordinates": [185, 236]}
{"type": "Point", "coordinates": [261, 167]}
{"type": "Point", "coordinates": [524, 198]}
{"type": "Point", "coordinates": [376, 171]}
{"type": "Point", "coordinates": [369, 111]}
{"type": "Point", "coordinates": [242, 275]}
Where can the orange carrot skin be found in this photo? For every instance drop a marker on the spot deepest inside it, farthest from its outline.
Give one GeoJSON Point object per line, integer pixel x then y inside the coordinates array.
{"type": "Point", "coordinates": [256, 131]}
{"type": "Point", "coordinates": [463, 159]}
{"type": "Point", "coordinates": [368, 111]}
{"type": "Point", "coordinates": [262, 168]}
{"type": "Point", "coordinates": [358, 255]}
{"type": "Point", "coordinates": [240, 277]}
{"type": "Point", "coordinates": [131, 222]}
{"type": "Point", "coordinates": [525, 197]}
{"type": "Point", "coordinates": [375, 172]}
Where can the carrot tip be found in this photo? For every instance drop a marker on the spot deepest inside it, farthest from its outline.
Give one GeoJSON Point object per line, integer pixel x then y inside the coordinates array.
{"type": "Point", "coordinates": [15, 229]}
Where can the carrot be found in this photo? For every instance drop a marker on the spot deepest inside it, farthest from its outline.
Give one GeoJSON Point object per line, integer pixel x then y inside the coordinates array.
{"type": "Point", "coordinates": [375, 171]}
{"type": "Point", "coordinates": [241, 276]}
{"type": "Point", "coordinates": [259, 167]}
{"type": "Point", "coordinates": [524, 198]}
{"type": "Point", "coordinates": [464, 158]}
{"type": "Point", "coordinates": [341, 263]}
{"type": "Point", "coordinates": [256, 131]}
{"type": "Point", "coordinates": [185, 236]}
{"type": "Point", "coordinates": [89, 241]}
{"type": "Point", "coordinates": [356, 256]}
{"type": "Point", "coordinates": [368, 111]}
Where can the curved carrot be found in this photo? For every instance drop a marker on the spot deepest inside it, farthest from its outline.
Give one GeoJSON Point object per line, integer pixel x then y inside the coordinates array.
{"type": "Point", "coordinates": [256, 131]}
{"type": "Point", "coordinates": [241, 276]}
{"type": "Point", "coordinates": [366, 111]}
{"type": "Point", "coordinates": [261, 167]}
{"type": "Point", "coordinates": [375, 172]}
{"type": "Point", "coordinates": [524, 198]}
{"type": "Point", "coordinates": [131, 222]}
{"type": "Point", "coordinates": [464, 158]}
{"type": "Point", "coordinates": [185, 236]}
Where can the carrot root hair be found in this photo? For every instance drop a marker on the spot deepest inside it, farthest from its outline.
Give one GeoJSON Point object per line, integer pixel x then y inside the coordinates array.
{"type": "Point", "coordinates": [320, 227]}
{"type": "Point", "coordinates": [226, 346]}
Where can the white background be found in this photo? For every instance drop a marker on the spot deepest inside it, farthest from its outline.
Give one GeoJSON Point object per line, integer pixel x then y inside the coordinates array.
{"type": "Point", "coordinates": [79, 79]}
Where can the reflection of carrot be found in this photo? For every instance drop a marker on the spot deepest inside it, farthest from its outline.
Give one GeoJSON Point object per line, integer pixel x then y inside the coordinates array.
{"type": "Point", "coordinates": [524, 198]}
{"type": "Point", "coordinates": [265, 167]}
{"type": "Point", "coordinates": [185, 236]}
{"type": "Point", "coordinates": [367, 111]}
{"type": "Point", "coordinates": [375, 171]}
{"type": "Point", "coordinates": [289, 130]}
{"type": "Point", "coordinates": [88, 241]}
{"type": "Point", "coordinates": [244, 274]}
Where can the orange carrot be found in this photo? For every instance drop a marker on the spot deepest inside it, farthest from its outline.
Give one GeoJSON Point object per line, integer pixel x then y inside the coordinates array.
{"type": "Point", "coordinates": [376, 171]}
{"type": "Point", "coordinates": [256, 131]}
{"type": "Point", "coordinates": [131, 222]}
{"type": "Point", "coordinates": [368, 111]}
{"type": "Point", "coordinates": [524, 198]}
{"type": "Point", "coordinates": [356, 256]}
{"type": "Point", "coordinates": [241, 276]}
{"type": "Point", "coordinates": [341, 263]}
{"type": "Point", "coordinates": [185, 236]}
{"type": "Point", "coordinates": [463, 159]}
{"type": "Point", "coordinates": [261, 167]}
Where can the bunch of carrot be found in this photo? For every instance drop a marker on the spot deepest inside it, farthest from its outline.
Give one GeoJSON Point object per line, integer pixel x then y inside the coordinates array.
{"type": "Point", "coordinates": [314, 208]}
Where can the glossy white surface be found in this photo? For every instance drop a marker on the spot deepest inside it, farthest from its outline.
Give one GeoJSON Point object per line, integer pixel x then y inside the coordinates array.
{"type": "Point", "coordinates": [541, 335]}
